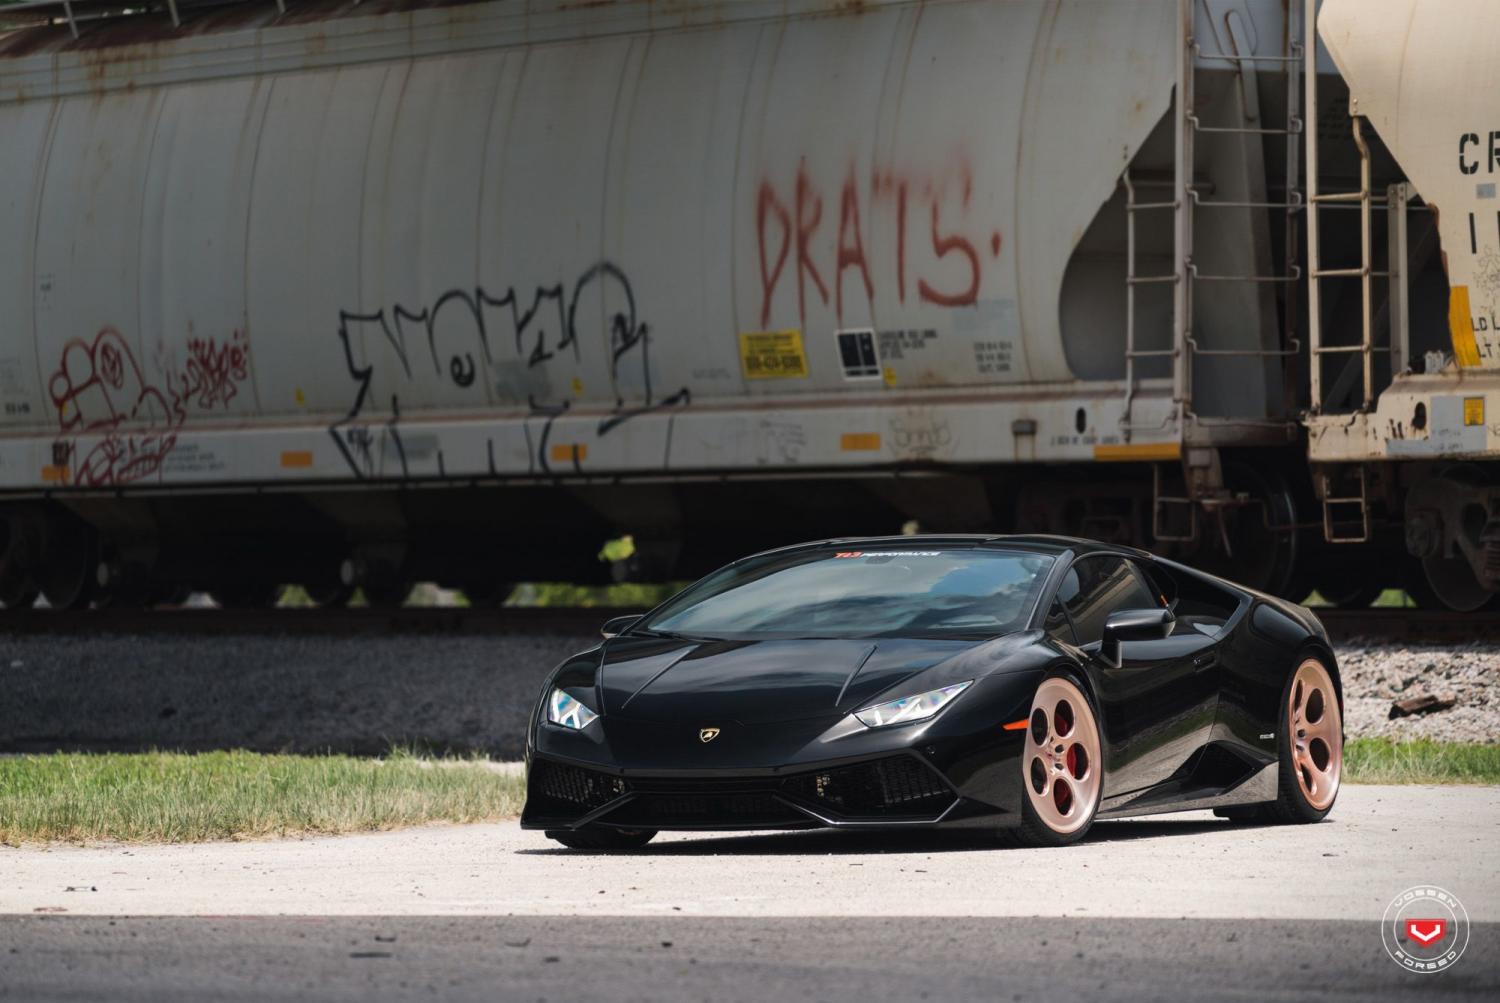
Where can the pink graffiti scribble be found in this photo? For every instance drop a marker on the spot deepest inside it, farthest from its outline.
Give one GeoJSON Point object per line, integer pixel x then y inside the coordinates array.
{"type": "Point", "coordinates": [214, 371]}
{"type": "Point", "coordinates": [99, 390]}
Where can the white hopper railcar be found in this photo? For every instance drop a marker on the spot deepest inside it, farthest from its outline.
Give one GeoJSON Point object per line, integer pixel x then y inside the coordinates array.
{"type": "Point", "coordinates": [361, 294]}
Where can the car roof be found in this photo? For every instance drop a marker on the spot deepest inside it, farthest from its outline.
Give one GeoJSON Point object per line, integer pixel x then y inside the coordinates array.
{"type": "Point", "coordinates": [1039, 543]}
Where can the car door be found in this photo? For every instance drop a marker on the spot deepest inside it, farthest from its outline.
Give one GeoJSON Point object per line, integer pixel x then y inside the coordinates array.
{"type": "Point", "coordinates": [1158, 704]}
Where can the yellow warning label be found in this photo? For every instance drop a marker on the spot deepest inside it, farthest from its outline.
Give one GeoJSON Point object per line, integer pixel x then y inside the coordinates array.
{"type": "Point", "coordinates": [570, 452]}
{"type": "Point", "coordinates": [1473, 410]}
{"type": "Point", "coordinates": [297, 458]}
{"type": "Point", "coordinates": [1138, 451]}
{"type": "Point", "coordinates": [577, 387]}
{"type": "Point", "coordinates": [55, 474]}
{"type": "Point", "coordinates": [1461, 328]}
{"type": "Point", "coordinates": [772, 354]}
{"type": "Point", "coordinates": [859, 441]}
{"type": "Point", "coordinates": [889, 375]}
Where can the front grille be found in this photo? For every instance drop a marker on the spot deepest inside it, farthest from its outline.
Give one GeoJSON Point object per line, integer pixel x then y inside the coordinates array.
{"type": "Point", "coordinates": [754, 809]}
{"type": "Point", "coordinates": [571, 788]}
{"type": "Point", "coordinates": [899, 786]}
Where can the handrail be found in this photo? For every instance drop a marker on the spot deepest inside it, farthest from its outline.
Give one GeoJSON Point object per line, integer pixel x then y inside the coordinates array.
{"type": "Point", "coordinates": [76, 12]}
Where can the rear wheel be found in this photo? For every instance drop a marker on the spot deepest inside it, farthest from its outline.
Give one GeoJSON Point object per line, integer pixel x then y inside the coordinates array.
{"type": "Point", "coordinates": [1061, 767]}
{"type": "Point", "coordinates": [1311, 746]}
{"type": "Point", "coordinates": [602, 839]}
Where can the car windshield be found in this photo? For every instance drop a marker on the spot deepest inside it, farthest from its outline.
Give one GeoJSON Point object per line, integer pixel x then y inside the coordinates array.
{"type": "Point", "coordinates": [887, 590]}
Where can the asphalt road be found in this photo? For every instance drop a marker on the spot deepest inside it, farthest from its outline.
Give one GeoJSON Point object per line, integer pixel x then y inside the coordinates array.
{"type": "Point", "coordinates": [1183, 907]}
{"type": "Point", "coordinates": [662, 958]}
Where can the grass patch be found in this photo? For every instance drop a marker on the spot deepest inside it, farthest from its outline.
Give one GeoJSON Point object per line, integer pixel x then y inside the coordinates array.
{"type": "Point", "coordinates": [1389, 599]}
{"type": "Point", "coordinates": [172, 797]}
{"type": "Point", "coordinates": [1381, 761]}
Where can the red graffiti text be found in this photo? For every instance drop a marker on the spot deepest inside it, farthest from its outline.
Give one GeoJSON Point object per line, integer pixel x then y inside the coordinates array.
{"type": "Point", "coordinates": [948, 264]}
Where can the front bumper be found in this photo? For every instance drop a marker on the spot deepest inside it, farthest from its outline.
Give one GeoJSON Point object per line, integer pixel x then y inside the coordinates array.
{"type": "Point", "coordinates": [892, 790]}
{"type": "Point", "coordinates": [959, 769]}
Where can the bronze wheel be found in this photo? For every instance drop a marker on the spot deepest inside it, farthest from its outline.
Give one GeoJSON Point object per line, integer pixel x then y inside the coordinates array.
{"type": "Point", "coordinates": [1316, 734]}
{"type": "Point", "coordinates": [1062, 766]}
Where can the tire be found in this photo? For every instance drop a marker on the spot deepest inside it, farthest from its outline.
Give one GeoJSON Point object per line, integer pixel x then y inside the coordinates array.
{"type": "Point", "coordinates": [602, 839]}
{"type": "Point", "coordinates": [1307, 790]}
{"type": "Point", "coordinates": [1062, 767]}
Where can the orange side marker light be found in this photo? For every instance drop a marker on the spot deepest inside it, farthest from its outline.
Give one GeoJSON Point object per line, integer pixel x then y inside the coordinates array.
{"type": "Point", "coordinates": [1016, 725]}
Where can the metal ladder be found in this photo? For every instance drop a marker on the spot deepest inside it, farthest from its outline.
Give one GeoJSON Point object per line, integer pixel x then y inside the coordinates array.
{"type": "Point", "coordinates": [1365, 201]}
{"type": "Point", "coordinates": [1365, 271]}
{"type": "Point", "coordinates": [1189, 197]}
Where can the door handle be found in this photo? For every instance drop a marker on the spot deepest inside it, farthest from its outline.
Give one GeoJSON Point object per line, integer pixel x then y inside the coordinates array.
{"type": "Point", "coordinates": [1207, 660]}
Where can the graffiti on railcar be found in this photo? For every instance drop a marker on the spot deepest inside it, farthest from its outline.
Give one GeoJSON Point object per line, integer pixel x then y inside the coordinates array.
{"type": "Point", "coordinates": [212, 374]}
{"type": "Point", "coordinates": [789, 217]}
{"type": "Point", "coordinates": [99, 389]}
{"type": "Point", "coordinates": [508, 339]}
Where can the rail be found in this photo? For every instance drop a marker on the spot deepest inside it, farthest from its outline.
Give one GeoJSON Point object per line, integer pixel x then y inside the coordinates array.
{"type": "Point", "coordinates": [1376, 624]}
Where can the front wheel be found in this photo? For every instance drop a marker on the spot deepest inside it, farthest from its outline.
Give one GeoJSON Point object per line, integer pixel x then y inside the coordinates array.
{"type": "Point", "coordinates": [602, 839]}
{"type": "Point", "coordinates": [1062, 767]}
{"type": "Point", "coordinates": [1311, 746]}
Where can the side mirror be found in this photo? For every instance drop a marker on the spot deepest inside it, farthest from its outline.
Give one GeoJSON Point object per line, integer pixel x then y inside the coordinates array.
{"type": "Point", "coordinates": [619, 625]}
{"type": "Point", "coordinates": [1133, 625]}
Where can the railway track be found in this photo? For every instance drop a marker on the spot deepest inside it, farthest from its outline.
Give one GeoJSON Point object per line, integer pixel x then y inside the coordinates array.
{"type": "Point", "coordinates": [1411, 625]}
{"type": "Point", "coordinates": [1397, 625]}
{"type": "Point", "coordinates": [446, 620]}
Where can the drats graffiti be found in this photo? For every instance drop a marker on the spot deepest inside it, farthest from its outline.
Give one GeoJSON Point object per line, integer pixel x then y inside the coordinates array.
{"type": "Point", "coordinates": [99, 390]}
{"type": "Point", "coordinates": [499, 347]}
{"type": "Point", "coordinates": [936, 255]}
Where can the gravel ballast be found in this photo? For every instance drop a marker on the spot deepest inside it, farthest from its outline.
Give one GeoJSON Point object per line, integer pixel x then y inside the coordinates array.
{"type": "Point", "coordinates": [362, 695]}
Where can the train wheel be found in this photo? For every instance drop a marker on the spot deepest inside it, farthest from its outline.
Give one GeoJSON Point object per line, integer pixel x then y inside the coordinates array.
{"type": "Point", "coordinates": [69, 565]}
{"type": "Point", "coordinates": [174, 594]}
{"type": "Point", "coordinates": [1259, 555]}
{"type": "Point", "coordinates": [1349, 595]}
{"type": "Point", "coordinates": [17, 590]}
{"type": "Point", "coordinates": [19, 595]}
{"type": "Point", "coordinates": [330, 595]}
{"type": "Point", "coordinates": [248, 596]}
{"type": "Point", "coordinates": [1450, 583]}
{"type": "Point", "coordinates": [487, 593]}
{"type": "Point", "coordinates": [387, 595]}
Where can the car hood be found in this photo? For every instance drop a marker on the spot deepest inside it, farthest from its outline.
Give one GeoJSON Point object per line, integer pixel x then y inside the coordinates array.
{"type": "Point", "coordinates": [757, 682]}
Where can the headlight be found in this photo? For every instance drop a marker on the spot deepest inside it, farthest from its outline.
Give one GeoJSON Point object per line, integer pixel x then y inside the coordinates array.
{"type": "Point", "coordinates": [909, 709]}
{"type": "Point", "coordinates": [568, 711]}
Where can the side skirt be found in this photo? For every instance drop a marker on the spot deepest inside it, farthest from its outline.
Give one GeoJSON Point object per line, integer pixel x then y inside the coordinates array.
{"type": "Point", "coordinates": [1258, 788]}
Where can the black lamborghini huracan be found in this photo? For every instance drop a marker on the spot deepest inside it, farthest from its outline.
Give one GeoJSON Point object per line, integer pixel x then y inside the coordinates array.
{"type": "Point", "coordinates": [1024, 684]}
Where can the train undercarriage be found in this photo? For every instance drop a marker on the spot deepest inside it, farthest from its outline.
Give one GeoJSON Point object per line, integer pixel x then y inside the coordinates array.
{"type": "Point", "coordinates": [1260, 517]}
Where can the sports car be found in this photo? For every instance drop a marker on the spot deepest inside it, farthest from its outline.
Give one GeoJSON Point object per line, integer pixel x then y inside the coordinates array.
{"type": "Point", "coordinates": [1027, 685]}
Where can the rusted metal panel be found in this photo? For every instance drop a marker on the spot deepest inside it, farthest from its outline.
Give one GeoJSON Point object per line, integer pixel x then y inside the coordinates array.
{"type": "Point", "coordinates": [1444, 416]}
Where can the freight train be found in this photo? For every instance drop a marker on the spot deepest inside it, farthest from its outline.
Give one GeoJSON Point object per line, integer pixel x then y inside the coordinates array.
{"type": "Point", "coordinates": [359, 294]}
